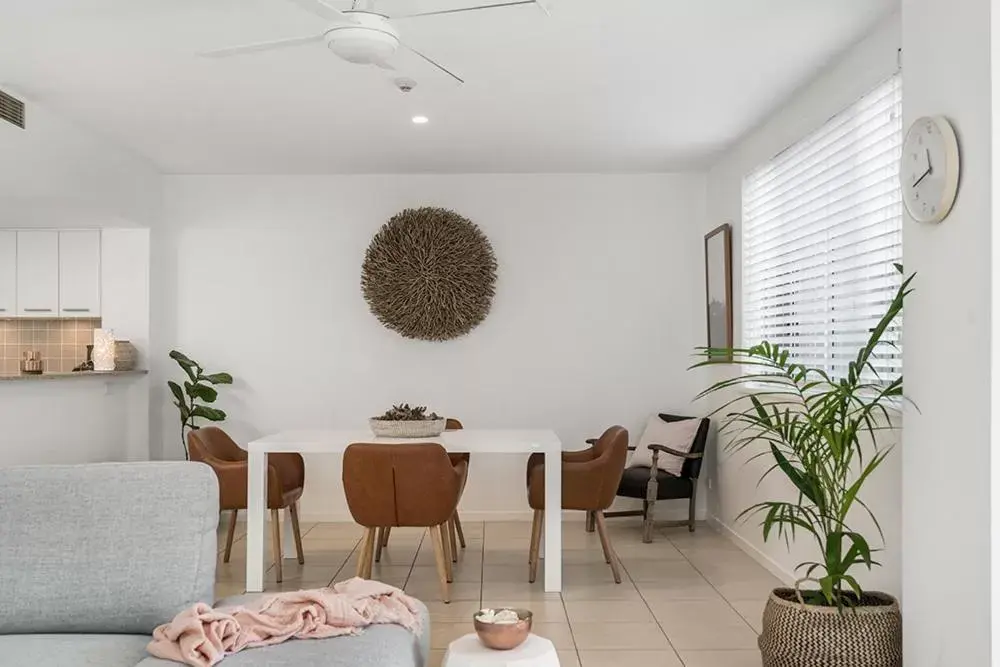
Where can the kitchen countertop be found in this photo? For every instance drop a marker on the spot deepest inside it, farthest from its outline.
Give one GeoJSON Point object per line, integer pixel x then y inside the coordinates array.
{"type": "Point", "coordinates": [17, 377]}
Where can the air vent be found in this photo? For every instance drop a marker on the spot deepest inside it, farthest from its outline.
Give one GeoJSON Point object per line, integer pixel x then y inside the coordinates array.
{"type": "Point", "coordinates": [11, 110]}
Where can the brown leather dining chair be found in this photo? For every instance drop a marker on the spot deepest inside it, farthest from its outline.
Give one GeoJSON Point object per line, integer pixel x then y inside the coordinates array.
{"type": "Point", "coordinates": [455, 524]}
{"type": "Point", "coordinates": [413, 486]}
{"type": "Point", "coordinates": [285, 481]}
{"type": "Point", "coordinates": [590, 480]}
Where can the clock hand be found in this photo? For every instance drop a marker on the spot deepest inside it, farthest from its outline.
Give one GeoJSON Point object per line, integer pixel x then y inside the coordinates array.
{"type": "Point", "coordinates": [922, 177]}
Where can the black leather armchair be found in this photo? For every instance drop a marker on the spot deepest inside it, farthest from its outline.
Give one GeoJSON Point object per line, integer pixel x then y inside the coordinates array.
{"type": "Point", "coordinates": [652, 484]}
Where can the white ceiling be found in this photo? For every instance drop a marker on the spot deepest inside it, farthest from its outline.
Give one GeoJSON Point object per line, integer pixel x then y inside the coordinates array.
{"type": "Point", "coordinates": [600, 85]}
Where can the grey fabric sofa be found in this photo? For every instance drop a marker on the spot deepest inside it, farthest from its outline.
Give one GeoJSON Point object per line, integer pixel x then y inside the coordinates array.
{"type": "Point", "coordinates": [93, 557]}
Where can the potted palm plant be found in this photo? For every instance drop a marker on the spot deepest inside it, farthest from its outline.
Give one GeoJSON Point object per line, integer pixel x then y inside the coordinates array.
{"type": "Point", "coordinates": [822, 434]}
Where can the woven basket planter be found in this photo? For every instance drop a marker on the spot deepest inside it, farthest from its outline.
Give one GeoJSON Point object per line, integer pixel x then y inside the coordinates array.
{"type": "Point", "coordinates": [797, 635]}
{"type": "Point", "coordinates": [422, 428]}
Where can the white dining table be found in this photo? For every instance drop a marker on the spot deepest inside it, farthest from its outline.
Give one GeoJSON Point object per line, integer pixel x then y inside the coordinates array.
{"type": "Point", "coordinates": [473, 441]}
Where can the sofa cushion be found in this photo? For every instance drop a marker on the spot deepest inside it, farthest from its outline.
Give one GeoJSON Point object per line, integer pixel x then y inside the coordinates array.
{"type": "Point", "coordinates": [377, 646]}
{"type": "Point", "coordinates": [105, 548]}
{"type": "Point", "coordinates": [73, 650]}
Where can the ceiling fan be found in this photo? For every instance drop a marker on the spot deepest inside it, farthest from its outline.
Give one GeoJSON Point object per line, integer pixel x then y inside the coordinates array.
{"type": "Point", "coordinates": [361, 36]}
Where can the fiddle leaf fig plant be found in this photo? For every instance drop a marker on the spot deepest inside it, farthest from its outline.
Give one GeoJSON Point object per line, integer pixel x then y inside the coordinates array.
{"type": "Point", "coordinates": [820, 432]}
{"type": "Point", "coordinates": [197, 392]}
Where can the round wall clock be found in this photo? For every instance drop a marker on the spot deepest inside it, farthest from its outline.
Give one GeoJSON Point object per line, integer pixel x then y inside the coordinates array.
{"type": "Point", "coordinates": [929, 169]}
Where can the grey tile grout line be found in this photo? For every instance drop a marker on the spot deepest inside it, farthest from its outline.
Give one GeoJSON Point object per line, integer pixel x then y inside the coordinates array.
{"type": "Point", "coordinates": [650, 610]}
{"type": "Point", "coordinates": [702, 574]}
{"type": "Point", "coordinates": [345, 562]}
{"type": "Point", "coordinates": [416, 555]}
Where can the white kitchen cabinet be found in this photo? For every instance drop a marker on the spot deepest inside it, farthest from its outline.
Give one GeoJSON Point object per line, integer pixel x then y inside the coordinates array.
{"type": "Point", "coordinates": [38, 273]}
{"type": "Point", "coordinates": [80, 273]}
{"type": "Point", "coordinates": [8, 274]}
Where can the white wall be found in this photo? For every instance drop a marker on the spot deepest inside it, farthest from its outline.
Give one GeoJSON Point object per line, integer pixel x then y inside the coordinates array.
{"type": "Point", "coordinates": [947, 352]}
{"type": "Point", "coordinates": [592, 325]}
{"type": "Point", "coordinates": [55, 173]}
{"type": "Point", "coordinates": [734, 484]}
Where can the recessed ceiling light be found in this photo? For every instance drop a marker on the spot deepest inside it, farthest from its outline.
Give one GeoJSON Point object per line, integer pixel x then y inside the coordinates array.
{"type": "Point", "coordinates": [420, 120]}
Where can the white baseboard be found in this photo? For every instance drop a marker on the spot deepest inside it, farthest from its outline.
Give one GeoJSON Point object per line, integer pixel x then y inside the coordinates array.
{"type": "Point", "coordinates": [747, 547]}
{"type": "Point", "coordinates": [476, 515]}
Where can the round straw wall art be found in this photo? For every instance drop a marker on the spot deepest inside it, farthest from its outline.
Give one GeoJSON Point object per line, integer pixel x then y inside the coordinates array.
{"type": "Point", "coordinates": [429, 274]}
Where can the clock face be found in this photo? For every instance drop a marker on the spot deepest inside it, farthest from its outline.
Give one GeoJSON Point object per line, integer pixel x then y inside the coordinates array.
{"type": "Point", "coordinates": [928, 172]}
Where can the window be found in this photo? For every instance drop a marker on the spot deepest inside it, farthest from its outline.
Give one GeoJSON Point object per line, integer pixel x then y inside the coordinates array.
{"type": "Point", "coordinates": [822, 228]}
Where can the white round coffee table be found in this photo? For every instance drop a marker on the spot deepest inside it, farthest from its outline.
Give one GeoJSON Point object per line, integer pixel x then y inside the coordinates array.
{"type": "Point", "coordinates": [468, 651]}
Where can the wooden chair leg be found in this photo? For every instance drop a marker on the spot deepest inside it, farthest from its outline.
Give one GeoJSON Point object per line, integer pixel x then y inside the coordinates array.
{"type": "Point", "coordinates": [229, 535]}
{"type": "Point", "coordinates": [297, 532]}
{"type": "Point", "coordinates": [458, 527]}
{"type": "Point", "coordinates": [446, 545]}
{"type": "Point", "coordinates": [276, 540]}
{"type": "Point", "coordinates": [441, 560]}
{"type": "Point", "coordinates": [385, 536]}
{"type": "Point", "coordinates": [648, 522]}
{"type": "Point", "coordinates": [590, 522]}
{"type": "Point", "coordinates": [379, 543]}
{"type": "Point", "coordinates": [452, 540]}
{"type": "Point", "coordinates": [691, 507]}
{"type": "Point", "coordinates": [364, 569]}
{"type": "Point", "coordinates": [609, 552]}
{"type": "Point", "coordinates": [537, 522]}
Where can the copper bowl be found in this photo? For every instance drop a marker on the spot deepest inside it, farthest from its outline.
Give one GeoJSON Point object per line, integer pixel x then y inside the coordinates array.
{"type": "Point", "coordinates": [504, 636]}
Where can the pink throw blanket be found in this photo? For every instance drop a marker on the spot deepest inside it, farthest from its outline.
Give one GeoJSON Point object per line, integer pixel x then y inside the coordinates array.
{"type": "Point", "coordinates": [202, 636]}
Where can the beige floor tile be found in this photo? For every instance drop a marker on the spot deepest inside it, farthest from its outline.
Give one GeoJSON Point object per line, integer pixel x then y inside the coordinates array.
{"type": "Point", "coordinates": [294, 585]}
{"type": "Point", "coordinates": [227, 589]}
{"type": "Point", "coordinates": [328, 530]}
{"type": "Point", "coordinates": [608, 611]}
{"type": "Point", "coordinates": [693, 589]}
{"type": "Point", "coordinates": [738, 658]}
{"type": "Point", "coordinates": [748, 590]}
{"type": "Point", "coordinates": [619, 636]}
{"type": "Point", "coordinates": [458, 611]}
{"type": "Point", "coordinates": [557, 633]}
{"type": "Point", "coordinates": [543, 611]}
{"type": "Point", "coordinates": [662, 658]}
{"type": "Point", "coordinates": [693, 624]}
{"type": "Point", "coordinates": [496, 594]}
{"type": "Point", "coordinates": [512, 574]}
{"type": "Point", "coordinates": [602, 591]}
{"type": "Point", "coordinates": [443, 634]}
{"type": "Point", "coordinates": [461, 573]}
{"type": "Point", "coordinates": [394, 575]}
{"type": "Point", "coordinates": [505, 557]}
{"type": "Point", "coordinates": [430, 590]}
{"type": "Point", "coordinates": [752, 612]}
{"type": "Point", "coordinates": [568, 658]}
{"type": "Point", "coordinates": [653, 571]}
{"type": "Point", "coordinates": [308, 572]}
{"type": "Point", "coordinates": [587, 575]}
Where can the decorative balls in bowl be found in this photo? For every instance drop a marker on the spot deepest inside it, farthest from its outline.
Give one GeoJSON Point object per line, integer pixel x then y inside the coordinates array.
{"type": "Point", "coordinates": [502, 629]}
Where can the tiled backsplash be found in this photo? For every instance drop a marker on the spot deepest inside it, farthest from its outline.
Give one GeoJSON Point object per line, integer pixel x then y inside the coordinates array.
{"type": "Point", "coordinates": [63, 343]}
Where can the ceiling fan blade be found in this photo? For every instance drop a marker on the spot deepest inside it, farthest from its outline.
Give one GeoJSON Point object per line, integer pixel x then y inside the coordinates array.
{"type": "Point", "coordinates": [440, 67]}
{"type": "Point", "coordinates": [496, 5]}
{"type": "Point", "coordinates": [323, 10]}
{"type": "Point", "coordinates": [260, 46]}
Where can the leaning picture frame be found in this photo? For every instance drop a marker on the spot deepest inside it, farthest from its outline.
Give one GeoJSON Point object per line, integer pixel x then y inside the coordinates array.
{"type": "Point", "coordinates": [719, 291]}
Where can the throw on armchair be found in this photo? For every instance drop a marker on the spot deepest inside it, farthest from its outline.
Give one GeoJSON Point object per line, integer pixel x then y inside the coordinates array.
{"type": "Point", "coordinates": [650, 483]}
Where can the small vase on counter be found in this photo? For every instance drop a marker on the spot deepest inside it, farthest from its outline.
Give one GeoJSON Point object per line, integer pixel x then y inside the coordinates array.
{"type": "Point", "coordinates": [126, 355]}
{"type": "Point", "coordinates": [104, 350]}
{"type": "Point", "coordinates": [31, 363]}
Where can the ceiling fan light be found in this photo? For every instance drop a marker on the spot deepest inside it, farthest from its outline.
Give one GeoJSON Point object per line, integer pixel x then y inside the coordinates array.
{"type": "Point", "coordinates": [370, 39]}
